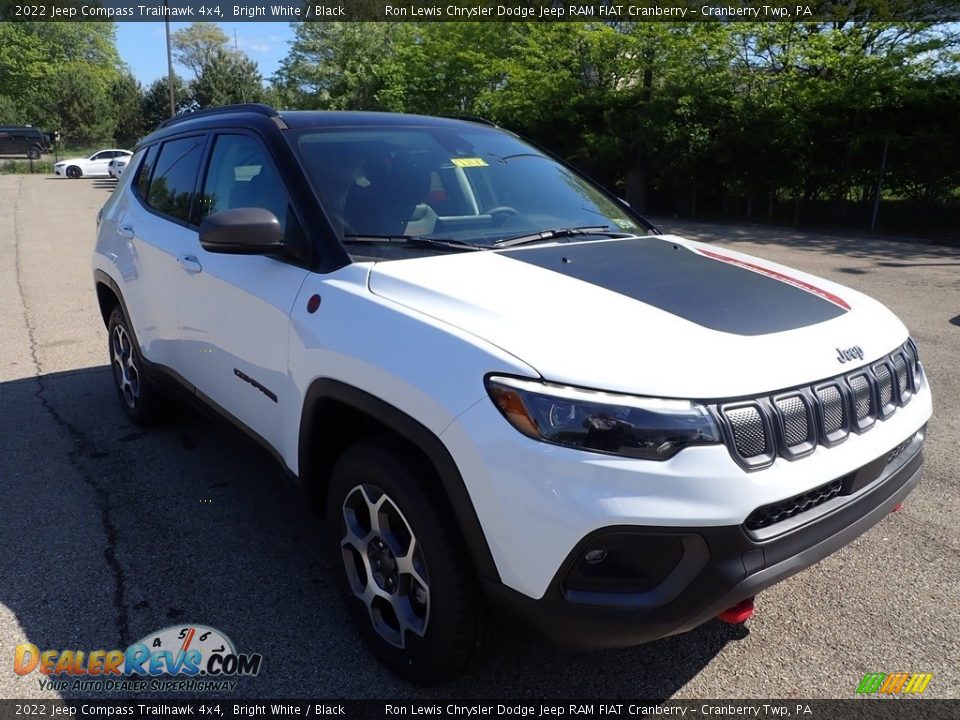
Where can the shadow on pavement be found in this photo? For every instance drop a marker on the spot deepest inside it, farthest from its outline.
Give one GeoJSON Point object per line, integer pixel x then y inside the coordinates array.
{"type": "Point", "coordinates": [112, 533]}
{"type": "Point", "coordinates": [866, 247]}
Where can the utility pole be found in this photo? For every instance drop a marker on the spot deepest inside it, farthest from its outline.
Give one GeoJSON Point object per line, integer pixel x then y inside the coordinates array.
{"type": "Point", "coordinates": [173, 100]}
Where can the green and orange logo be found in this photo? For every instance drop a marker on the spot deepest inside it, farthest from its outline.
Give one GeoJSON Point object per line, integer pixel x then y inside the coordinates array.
{"type": "Point", "coordinates": [894, 683]}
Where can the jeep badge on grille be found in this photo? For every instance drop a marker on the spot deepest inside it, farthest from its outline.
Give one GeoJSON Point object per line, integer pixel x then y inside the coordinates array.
{"type": "Point", "coordinates": [850, 353]}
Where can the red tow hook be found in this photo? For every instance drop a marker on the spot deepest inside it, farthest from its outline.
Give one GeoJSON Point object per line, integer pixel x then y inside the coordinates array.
{"type": "Point", "coordinates": [897, 508]}
{"type": "Point", "coordinates": [738, 614]}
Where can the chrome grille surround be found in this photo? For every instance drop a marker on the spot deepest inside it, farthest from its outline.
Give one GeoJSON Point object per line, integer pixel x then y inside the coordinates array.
{"type": "Point", "coordinates": [793, 423]}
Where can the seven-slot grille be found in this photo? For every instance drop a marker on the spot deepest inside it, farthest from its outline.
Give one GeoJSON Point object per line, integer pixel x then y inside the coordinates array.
{"type": "Point", "coordinates": [791, 424]}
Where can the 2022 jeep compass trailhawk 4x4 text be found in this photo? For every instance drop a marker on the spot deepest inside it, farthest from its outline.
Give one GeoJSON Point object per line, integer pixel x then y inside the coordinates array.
{"type": "Point", "coordinates": [505, 389]}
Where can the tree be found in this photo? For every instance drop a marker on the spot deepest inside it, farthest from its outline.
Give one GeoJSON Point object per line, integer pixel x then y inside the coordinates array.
{"type": "Point", "coordinates": [156, 101]}
{"type": "Point", "coordinates": [77, 102]}
{"type": "Point", "coordinates": [227, 78]}
{"type": "Point", "coordinates": [128, 99]}
{"type": "Point", "coordinates": [197, 45]}
{"type": "Point", "coordinates": [37, 58]}
{"type": "Point", "coordinates": [337, 65]}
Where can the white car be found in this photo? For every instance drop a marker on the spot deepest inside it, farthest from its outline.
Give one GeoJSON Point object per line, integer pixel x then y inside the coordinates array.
{"type": "Point", "coordinates": [97, 165]}
{"type": "Point", "coordinates": [504, 387]}
{"type": "Point", "coordinates": [117, 165]}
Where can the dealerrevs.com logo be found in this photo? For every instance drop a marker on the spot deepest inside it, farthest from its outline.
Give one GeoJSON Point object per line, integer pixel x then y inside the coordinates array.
{"type": "Point", "coordinates": [178, 658]}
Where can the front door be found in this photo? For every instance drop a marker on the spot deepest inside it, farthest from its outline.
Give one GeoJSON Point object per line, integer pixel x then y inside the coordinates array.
{"type": "Point", "coordinates": [235, 309]}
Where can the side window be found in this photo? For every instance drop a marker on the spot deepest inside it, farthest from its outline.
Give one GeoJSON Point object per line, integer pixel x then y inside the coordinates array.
{"type": "Point", "coordinates": [146, 168]}
{"type": "Point", "coordinates": [175, 176]}
{"type": "Point", "coordinates": [142, 181]}
{"type": "Point", "coordinates": [241, 174]}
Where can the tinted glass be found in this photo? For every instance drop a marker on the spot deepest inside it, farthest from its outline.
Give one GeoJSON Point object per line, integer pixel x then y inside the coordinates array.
{"type": "Point", "coordinates": [146, 167]}
{"type": "Point", "coordinates": [241, 174]}
{"type": "Point", "coordinates": [472, 184]}
{"type": "Point", "coordinates": [175, 176]}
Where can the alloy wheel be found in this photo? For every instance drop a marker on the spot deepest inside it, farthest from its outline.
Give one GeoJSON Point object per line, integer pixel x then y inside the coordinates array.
{"type": "Point", "coordinates": [385, 565]}
{"type": "Point", "coordinates": [125, 366]}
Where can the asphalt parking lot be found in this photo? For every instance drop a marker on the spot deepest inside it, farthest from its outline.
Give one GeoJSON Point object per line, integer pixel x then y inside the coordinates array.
{"type": "Point", "coordinates": [108, 532]}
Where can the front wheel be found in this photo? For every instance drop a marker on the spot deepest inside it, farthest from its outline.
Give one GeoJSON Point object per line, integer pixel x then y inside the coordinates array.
{"type": "Point", "coordinates": [138, 395]}
{"type": "Point", "coordinates": [74, 172]}
{"type": "Point", "coordinates": [408, 580]}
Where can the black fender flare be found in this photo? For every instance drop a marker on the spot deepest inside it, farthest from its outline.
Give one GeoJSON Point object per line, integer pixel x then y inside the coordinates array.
{"type": "Point", "coordinates": [323, 389]}
{"type": "Point", "coordinates": [102, 278]}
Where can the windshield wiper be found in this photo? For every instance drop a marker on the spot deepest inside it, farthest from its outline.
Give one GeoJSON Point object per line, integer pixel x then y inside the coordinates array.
{"type": "Point", "coordinates": [558, 233]}
{"type": "Point", "coordinates": [412, 240]}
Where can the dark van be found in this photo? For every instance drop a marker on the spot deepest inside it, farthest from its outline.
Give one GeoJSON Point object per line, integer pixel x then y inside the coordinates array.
{"type": "Point", "coordinates": [24, 140]}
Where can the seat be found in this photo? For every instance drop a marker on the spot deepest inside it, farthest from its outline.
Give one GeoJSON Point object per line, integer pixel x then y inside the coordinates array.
{"type": "Point", "coordinates": [260, 191]}
{"type": "Point", "coordinates": [384, 200]}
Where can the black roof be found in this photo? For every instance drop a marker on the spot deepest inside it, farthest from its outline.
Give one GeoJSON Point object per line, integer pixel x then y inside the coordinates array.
{"type": "Point", "coordinates": [257, 114]}
{"type": "Point", "coordinates": [350, 118]}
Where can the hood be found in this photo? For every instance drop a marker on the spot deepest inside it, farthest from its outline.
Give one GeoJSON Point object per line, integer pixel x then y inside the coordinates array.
{"type": "Point", "coordinates": [72, 161]}
{"type": "Point", "coordinates": [658, 315]}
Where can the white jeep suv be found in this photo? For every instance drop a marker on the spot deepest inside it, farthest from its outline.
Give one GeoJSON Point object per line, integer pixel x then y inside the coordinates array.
{"type": "Point", "coordinates": [505, 389]}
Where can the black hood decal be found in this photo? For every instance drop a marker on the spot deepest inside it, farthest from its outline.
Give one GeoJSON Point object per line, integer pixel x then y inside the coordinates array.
{"type": "Point", "coordinates": [707, 288]}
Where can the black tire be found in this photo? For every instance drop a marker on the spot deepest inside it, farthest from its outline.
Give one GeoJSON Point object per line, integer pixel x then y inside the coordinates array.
{"type": "Point", "coordinates": [33, 153]}
{"type": "Point", "coordinates": [74, 172]}
{"type": "Point", "coordinates": [455, 622]}
{"type": "Point", "coordinates": [139, 396]}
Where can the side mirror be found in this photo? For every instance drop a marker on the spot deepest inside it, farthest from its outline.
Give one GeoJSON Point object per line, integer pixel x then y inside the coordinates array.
{"type": "Point", "coordinates": [241, 231]}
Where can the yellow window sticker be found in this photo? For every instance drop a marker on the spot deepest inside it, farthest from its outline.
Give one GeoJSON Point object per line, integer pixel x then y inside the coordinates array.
{"type": "Point", "coordinates": [469, 162]}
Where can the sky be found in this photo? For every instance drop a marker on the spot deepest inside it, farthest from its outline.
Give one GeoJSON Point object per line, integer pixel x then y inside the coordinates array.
{"type": "Point", "coordinates": [143, 47]}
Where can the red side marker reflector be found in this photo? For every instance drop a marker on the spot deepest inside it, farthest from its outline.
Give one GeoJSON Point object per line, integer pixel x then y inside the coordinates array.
{"type": "Point", "coordinates": [313, 303]}
{"type": "Point", "coordinates": [897, 508]}
{"type": "Point", "coordinates": [738, 614]}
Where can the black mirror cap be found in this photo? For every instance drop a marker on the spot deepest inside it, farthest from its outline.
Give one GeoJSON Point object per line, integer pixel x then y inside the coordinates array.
{"type": "Point", "coordinates": [242, 231]}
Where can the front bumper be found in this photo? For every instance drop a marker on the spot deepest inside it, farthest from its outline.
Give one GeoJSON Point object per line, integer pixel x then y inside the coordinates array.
{"type": "Point", "coordinates": [716, 568]}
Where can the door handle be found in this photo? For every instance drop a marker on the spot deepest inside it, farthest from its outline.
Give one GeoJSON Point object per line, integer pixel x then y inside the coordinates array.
{"type": "Point", "coordinates": [189, 263]}
{"type": "Point", "coordinates": [126, 231]}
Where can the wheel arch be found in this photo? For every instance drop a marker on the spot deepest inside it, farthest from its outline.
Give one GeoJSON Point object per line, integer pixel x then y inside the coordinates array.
{"type": "Point", "coordinates": [108, 295]}
{"type": "Point", "coordinates": [341, 414]}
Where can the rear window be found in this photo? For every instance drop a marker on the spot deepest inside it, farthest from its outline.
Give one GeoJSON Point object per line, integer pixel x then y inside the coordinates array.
{"type": "Point", "coordinates": [174, 177]}
{"type": "Point", "coordinates": [146, 168]}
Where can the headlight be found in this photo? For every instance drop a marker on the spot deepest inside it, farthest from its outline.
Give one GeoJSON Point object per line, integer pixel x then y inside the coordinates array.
{"type": "Point", "coordinates": [639, 427]}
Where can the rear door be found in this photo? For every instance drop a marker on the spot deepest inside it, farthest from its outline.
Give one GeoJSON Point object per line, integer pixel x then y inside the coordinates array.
{"type": "Point", "coordinates": [235, 309]}
{"type": "Point", "coordinates": [152, 228]}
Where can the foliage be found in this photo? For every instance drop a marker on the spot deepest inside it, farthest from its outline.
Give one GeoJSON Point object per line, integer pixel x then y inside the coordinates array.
{"type": "Point", "coordinates": [719, 118]}
{"type": "Point", "coordinates": [77, 102]}
{"type": "Point", "coordinates": [58, 75]}
{"type": "Point", "coordinates": [128, 100]}
{"type": "Point", "coordinates": [156, 100]}
{"type": "Point", "coordinates": [338, 65]}
{"type": "Point", "coordinates": [197, 45]}
{"type": "Point", "coordinates": [786, 121]}
{"type": "Point", "coordinates": [25, 167]}
{"type": "Point", "coordinates": [228, 78]}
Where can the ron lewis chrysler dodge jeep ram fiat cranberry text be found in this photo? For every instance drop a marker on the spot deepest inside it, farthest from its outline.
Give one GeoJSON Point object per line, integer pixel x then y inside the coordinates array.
{"type": "Point", "coordinates": [503, 387]}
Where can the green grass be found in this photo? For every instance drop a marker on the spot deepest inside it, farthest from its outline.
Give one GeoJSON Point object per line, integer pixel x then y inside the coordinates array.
{"type": "Point", "coordinates": [22, 167]}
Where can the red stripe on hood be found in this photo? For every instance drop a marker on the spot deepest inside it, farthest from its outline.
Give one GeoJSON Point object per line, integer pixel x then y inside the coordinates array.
{"type": "Point", "coordinates": [826, 295]}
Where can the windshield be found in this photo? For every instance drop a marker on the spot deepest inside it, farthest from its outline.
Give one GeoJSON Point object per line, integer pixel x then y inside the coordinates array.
{"type": "Point", "coordinates": [468, 185]}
